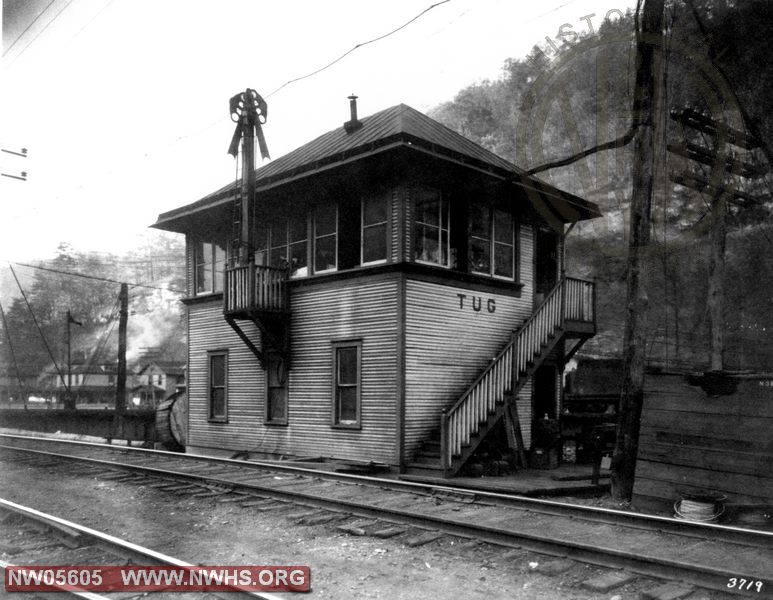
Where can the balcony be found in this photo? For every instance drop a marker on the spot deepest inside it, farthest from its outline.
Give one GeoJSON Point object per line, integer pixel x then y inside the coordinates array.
{"type": "Point", "coordinates": [252, 290]}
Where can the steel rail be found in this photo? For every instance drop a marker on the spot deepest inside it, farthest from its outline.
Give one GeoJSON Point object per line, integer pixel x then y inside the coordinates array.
{"type": "Point", "coordinates": [590, 552]}
{"type": "Point", "coordinates": [543, 506]}
{"type": "Point", "coordinates": [138, 554]}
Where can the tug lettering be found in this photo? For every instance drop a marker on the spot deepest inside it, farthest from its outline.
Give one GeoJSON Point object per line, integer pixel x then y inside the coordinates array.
{"type": "Point", "coordinates": [477, 303]}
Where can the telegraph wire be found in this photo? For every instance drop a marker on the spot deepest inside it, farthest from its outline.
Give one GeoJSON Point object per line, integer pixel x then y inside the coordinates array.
{"type": "Point", "coordinates": [10, 348]}
{"type": "Point", "coordinates": [360, 45]}
{"type": "Point", "coordinates": [40, 331]}
{"type": "Point", "coordinates": [95, 277]}
{"type": "Point", "coordinates": [47, 25]}
{"type": "Point", "coordinates": [27, 28]}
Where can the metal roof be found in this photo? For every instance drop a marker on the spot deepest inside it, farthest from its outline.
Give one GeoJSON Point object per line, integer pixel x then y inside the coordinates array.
{"type": "Point", "coordinates": [399, 124]}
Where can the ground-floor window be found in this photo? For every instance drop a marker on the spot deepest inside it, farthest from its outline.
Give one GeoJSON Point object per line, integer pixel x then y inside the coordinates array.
{"type": "Point", "coordinates": [276, 392]}
{"type": "Point", "coordinates": [218, 385]}
{"type": "Point", "coordinates": [346, 383]}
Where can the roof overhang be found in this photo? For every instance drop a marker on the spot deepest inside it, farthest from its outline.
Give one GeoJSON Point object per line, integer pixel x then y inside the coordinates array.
{"type": "Point", "coordinates": [551, 203]}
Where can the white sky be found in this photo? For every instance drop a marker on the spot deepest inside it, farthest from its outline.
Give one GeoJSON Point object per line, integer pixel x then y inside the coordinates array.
{"type": "Point", "coordinates": [123, 104]}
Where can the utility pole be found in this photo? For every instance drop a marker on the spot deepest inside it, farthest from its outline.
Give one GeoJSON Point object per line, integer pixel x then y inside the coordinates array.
{"type": "Point", "coordinates": [120, 386]}
{"type": "Point", "coordinates": [69, 402]}
{"type": "Point", "coordinates": [649, 36]}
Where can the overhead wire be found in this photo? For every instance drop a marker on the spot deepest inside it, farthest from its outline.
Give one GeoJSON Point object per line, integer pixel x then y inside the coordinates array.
{"type": "Point", "coordinates": [96, 278]}
{"type": "Point", "coordinates": [357, 46]}
{"type": "Point", "coordinates": [40, 330]}
{"type": "Point", "coordinates": [11, 349]}
{"type": "Point", "coordinates": [47, 25]}
{"type": "Point", "coordinates": [27, 28]}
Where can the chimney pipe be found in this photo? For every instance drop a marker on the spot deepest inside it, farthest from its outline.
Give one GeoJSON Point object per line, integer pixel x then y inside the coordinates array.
{"type": "Point", "coordinates": [353, 124]}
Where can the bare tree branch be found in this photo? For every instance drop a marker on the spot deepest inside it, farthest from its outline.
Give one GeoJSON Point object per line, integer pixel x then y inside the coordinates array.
{"type": "Point", "coordinates": [623, 140]}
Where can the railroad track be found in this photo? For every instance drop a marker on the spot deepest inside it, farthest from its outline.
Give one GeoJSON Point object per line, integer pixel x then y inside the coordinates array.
{"type": "Point", "coordinates": [31, 536]}
{"type": "Point", "coordinates": [706, 555]}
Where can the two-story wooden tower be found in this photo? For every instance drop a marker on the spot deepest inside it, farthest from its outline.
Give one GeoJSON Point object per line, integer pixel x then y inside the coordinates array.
{"type": "Point", "coordinates": [401, 284]}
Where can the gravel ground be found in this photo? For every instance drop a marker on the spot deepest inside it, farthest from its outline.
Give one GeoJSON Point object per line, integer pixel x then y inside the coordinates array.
{"type": "Point", "coordinates": [343, 566]}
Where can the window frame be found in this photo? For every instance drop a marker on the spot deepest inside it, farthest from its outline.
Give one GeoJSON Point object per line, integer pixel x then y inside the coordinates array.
{"type": "Point", "coordinates": [210, 263]}
{"type": "Point", "coordinates": [316, 237]}
{"type": "Point", "coordinates": [490, 211]}
{"type": "Point", "coordinates": [444, 203]}
{"type": "Point", "coordinates": [267, 420]}
{"type": "Point", "coordinates": [212, 418]}
{"type": "Point", "coordinates": [385, 198]}
{"type": "Point", "coordinates": [336, 422]}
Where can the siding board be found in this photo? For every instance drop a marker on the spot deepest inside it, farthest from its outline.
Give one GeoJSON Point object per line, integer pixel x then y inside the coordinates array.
{"type": "Point", "coordinates": [360, 309]}
{"type": "Point", "coordinates": [447, 347]}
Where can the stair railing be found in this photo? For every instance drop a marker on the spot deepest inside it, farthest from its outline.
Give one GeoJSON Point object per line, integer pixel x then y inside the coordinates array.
{"type": "Point", "coordinates": [569, 299]}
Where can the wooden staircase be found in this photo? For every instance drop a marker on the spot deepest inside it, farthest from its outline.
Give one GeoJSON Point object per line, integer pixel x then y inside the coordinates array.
{"type": "Point", "coordinates": [567, 312]}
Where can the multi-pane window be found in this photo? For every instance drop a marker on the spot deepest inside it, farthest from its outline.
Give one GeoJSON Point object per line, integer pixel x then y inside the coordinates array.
{"type": "Point", "coordinates": [430, 227]}
{"type": "Point", "coordinates": [325, 239]}
{"type": "Point", "coordinates": [375, 212]}
{"type": "Point", "coordinates": [218, 380]}
{"type": "Point", "coordinates": [283, 243]}
{"type": "Point", "coordinates": [288, 245]}
{"type": "Point", "coordinates": [209, 262]}
{"type": "Point", "coordinates": [346, 384]}
{"type": "Point", "coordinates": [492, 241]}
{"type": "Point", "coordinates": [276, 394]}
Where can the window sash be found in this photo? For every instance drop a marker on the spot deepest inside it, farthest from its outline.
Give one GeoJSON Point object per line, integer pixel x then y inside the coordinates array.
{"type": "Point", "coordinates": [218, 386]}
{"type": "Point", "coordinates": [491, 246]}
{"type": "Point", "coordinates": [431, 239]}
{"type": "Point", "coordinates": [325, 240]}
{"type": "Point", "coordinates": [209, 268]}
{"type": "Point", "coordinates": [347, 383]}
{"type": "Point", "coordinates": [373, 242]}
{"type": "Point", "coordinates": [276, 409]}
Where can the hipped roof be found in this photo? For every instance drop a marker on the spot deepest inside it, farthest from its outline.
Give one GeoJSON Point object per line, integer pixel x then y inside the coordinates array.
{"type": "Point", "coordinates": [393, 127]}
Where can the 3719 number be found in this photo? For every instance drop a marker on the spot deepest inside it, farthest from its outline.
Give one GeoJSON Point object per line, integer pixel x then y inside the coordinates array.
{"type": "Point", "coordinates": [742, 583]}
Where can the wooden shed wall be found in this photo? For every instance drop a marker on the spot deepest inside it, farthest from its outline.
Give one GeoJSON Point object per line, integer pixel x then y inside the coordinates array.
{"type": "Point", "coordinates": [321, 314]}
{"type": "Point", "coordinates": [691, 441]}
{"type": "Point", "coordinates": [447, 347]}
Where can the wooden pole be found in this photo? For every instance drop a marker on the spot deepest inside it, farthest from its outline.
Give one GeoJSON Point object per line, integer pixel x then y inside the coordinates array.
{"type": "Point", "coordinates": [120, 386]}
{"type": "Point", "coordinates": [634, 341]}
{"type": "Point", "coordinates": [249, 119]}
{"type": "Point", "coordinates": [69, 400]}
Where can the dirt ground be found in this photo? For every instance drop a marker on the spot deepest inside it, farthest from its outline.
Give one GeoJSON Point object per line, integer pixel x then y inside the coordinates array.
{"type": "Point", "coordinates": [209, 532]}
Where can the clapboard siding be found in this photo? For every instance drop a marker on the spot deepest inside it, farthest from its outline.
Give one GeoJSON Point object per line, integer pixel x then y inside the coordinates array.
{"type": "Point", "coordinates": [691, 441]}
{"type": "Point", "coordinates": [447, 347]}
{"type": "Point", "coordinates": [364, 309]}
{"type": "Point", "coordinates": [209, 331]}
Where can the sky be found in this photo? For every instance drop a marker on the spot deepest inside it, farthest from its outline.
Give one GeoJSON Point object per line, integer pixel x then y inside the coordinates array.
{"type": "Point", "coordinates": [123, 104]}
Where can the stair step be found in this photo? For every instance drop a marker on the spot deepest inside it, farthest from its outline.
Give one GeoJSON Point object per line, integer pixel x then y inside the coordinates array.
{"type": "Point", "coordinates": [427, 459]}
{"type": "Point", "coordinates": [413, 466]}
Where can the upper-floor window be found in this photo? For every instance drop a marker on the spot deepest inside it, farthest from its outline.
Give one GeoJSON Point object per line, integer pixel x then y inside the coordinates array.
{"type": "Point", "coordinates": [288, 245]}
{"type": "Point", "coordinates": [284, 243]}
{"type": "Point", "coordinates": [492, 241]}
{"type": "Point", "coordinates": [325, 239]}
{"type": "Point", "coordinates": [375, 210]}
{"type": "Point", "coordinates": [209, 266]}
{"type": "Point", "coordinates": [431, 241]}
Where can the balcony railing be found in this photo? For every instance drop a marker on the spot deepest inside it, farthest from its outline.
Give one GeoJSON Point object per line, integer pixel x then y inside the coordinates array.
{"type": "Point", "coordinates": [255, 288]}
